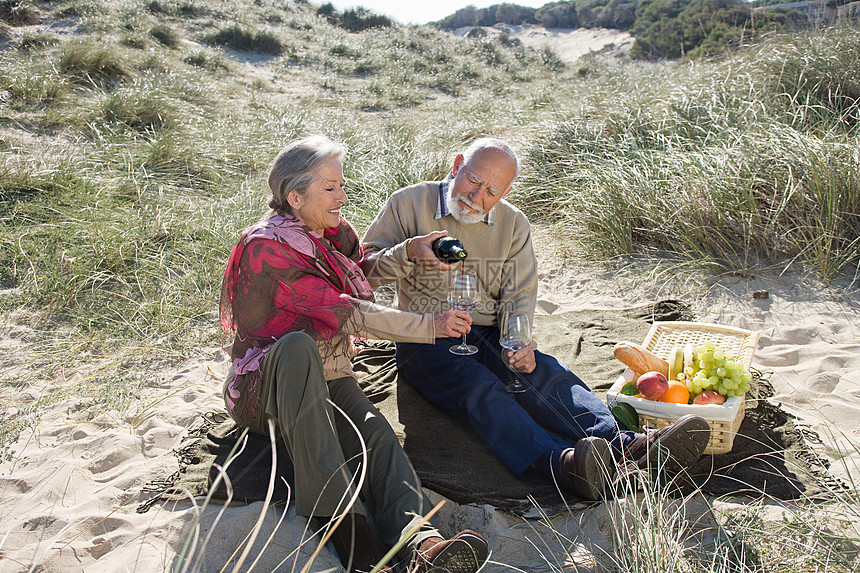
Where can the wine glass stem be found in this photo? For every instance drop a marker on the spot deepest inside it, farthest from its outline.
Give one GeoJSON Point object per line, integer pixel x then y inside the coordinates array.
{"type": "Point", "coordinates": [515, 376]}
{"type": "Point", "coordinates": [464, 340]}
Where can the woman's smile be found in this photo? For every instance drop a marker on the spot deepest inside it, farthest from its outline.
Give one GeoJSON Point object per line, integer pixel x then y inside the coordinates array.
{"type": "Point", "coordinates": [319, 208]}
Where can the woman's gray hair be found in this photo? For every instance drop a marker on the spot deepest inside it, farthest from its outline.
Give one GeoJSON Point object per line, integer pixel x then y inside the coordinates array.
{"type": "Point", "coordinates": [295, 167]}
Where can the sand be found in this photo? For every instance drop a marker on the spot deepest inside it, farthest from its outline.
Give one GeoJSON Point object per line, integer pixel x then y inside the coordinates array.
{"type": "Point", "coordinates": [69, 490]}
{"type": "Point", "coordinates": [568, 44]}
{"type": "Point", "coordinates": [571, 44]}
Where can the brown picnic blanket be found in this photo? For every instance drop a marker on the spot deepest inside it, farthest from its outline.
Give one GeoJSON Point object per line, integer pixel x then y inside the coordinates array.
{"type": "Point", "coordinates": [771, 454]}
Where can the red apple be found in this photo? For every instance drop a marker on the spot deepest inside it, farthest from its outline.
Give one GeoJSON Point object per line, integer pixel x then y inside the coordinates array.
{"type": "Point", "coordinates": [709, 397]}
{"type": "Point", "coordinates": [652, 385]}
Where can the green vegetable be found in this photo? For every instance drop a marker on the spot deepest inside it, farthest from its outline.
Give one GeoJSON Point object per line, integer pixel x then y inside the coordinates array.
{"type": "Point", "coordinates": [626, 415]}
{"type": "Point", "coordinates": [630, 389]}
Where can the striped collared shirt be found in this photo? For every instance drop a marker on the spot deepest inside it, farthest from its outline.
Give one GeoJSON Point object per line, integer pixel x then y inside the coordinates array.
{"type": "Point", "coordinates": [442, 205]}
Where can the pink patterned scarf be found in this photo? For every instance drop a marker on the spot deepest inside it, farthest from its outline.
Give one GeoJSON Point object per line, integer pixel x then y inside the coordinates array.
{"type": "Point", "coordinates": [283, 277]}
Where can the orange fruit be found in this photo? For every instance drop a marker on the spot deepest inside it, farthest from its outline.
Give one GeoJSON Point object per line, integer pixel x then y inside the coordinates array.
{"type": "Point", "coordinates": [677, 393]}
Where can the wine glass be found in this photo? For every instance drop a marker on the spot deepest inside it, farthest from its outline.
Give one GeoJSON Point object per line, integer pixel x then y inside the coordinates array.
{"type": "Point", "coordinates": [463, 296]}
{"type": "Point", "coordinates": [514, 334]}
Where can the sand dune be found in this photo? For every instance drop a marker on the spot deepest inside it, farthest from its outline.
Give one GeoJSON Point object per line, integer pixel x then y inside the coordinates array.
{"type": "Point", "coordinates": [69, 490]}
{"type": "Point", "coordinates": [571, 44]}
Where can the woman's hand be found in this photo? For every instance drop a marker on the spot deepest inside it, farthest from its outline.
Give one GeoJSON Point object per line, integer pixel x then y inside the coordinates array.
{"type": "Point", "coordinates": [452, 323]}
{"type": "Point", "coordinates": [420, 250]}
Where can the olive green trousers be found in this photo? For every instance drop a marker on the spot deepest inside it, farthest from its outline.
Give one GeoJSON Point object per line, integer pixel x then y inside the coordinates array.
{"type": "Point", "coordinates": [326, 450]}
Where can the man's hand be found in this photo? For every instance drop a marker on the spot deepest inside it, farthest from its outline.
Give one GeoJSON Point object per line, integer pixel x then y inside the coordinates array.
{"type": "Point", "coordinates": [452, 323]}
{"type": "Point", "coordinates": [522, 360]}
{"type": "Point", "coordinates": [420, 250]}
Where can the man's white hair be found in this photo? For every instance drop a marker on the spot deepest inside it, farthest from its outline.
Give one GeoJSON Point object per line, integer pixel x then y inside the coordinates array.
{"type": "Point", "coordinates": [492, 143]}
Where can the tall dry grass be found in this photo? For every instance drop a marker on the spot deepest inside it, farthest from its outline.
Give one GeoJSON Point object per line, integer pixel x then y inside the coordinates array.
{"type": "Point", "coordinates": [743, 163]}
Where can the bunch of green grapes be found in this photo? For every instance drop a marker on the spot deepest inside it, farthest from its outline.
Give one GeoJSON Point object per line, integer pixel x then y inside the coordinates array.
{"type": "Point", "coordinates": [716, 369]}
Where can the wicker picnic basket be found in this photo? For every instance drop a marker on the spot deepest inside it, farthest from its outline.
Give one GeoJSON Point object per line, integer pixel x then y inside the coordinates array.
{"type": "Point", "coordinates": [724, 419]}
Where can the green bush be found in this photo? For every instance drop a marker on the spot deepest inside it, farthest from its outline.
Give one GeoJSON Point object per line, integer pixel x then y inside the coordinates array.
{"type": "Point", "coordinates": [165, 35]}
{"type": "Point", "coordinates": [344, 51]}
{"type": "Point", "coordinates": [134, 40]}
{"type": "Point", "coordinates": [676, 28]}
{"type": "Point", "coordinates": [171, 8]}
{"type": "Point", "coordinates": [238, 38]}
{"type": "Point", "coordinates": [139, 111]}
{"type": "Point", "coordinates": [89, 62]}
{"type": "Point", "coordinates": [38, 41]}
{"type": "Point", "coordinates": [557, 15]}
{"type": "Point", "coordinates": [502, 13]}
{"type": "Point", "coordinates": [79, 8]}
{"type": "Point", "coordinates": [18, 13]}
{"type": "Point", "coordinates": [327, 11]}
{"type": "Point", "coordinates": [205, 60]}
{"type": "Point", "coordinates": [157, 7]}
{"type": "Point", "coordinates": [35, 86]}
{"type": "Point", "coordinates": [359, 19]}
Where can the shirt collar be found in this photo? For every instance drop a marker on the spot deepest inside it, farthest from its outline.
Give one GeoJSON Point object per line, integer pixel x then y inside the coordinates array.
{"type": "Point", "coordinates": [442, 205]}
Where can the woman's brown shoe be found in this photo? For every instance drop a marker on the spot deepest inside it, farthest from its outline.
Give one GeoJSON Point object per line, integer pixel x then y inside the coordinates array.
{"type": "Point", "coordinates": [466, 552]}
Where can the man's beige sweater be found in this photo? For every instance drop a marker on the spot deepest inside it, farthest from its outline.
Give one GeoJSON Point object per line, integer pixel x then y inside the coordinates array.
{"type": "Point", "coordinates": [501, 254]}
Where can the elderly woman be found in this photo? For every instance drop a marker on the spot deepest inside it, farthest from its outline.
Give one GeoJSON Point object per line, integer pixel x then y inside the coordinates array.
{"type": "Point", "coordinates": [293, 297]}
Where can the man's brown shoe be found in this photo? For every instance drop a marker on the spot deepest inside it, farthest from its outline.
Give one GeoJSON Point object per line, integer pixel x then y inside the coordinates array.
{"type": "Point", "coordinates": [674, 448]}
{"type": "Point", "coordinates": [584, 469]}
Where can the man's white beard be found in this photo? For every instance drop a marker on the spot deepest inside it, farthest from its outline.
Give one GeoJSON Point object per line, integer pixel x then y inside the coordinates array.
{"type": "Point", "coordinates": [458, 210]}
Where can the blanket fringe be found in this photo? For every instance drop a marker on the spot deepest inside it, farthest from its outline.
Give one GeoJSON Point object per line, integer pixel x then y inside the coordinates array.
{"type": "Point", "coordinates": [187, 454]}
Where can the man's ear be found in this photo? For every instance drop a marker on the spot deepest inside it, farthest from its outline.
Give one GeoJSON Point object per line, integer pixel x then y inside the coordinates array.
{"type": "Point", "coordinates": [458, 162]}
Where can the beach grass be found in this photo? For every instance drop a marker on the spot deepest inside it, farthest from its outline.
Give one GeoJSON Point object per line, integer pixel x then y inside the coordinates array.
{"type": "Point", "coordinates": [135, 138]}
{"type": "Point", "coordinates": [666, 526]}
{"type": "Point", "coordinates": [650, 525]}
{"type": "Point", "coordinates": [735, 164]}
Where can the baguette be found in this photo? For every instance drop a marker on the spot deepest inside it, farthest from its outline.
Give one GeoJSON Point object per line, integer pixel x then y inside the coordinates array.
{"type": "Point", "coordinates": [639, 359]}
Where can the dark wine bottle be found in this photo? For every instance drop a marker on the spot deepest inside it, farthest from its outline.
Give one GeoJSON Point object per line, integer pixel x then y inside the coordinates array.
{"type": "Point", "coordinates": [449, 250]}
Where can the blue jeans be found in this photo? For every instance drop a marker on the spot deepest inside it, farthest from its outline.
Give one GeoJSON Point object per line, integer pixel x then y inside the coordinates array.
{"type": "Point", "coordinates": [557, 409]}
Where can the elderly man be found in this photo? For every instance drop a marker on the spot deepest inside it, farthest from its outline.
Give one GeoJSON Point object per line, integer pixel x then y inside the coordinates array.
{"type": "Point", "coordinates": [557, 426]}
